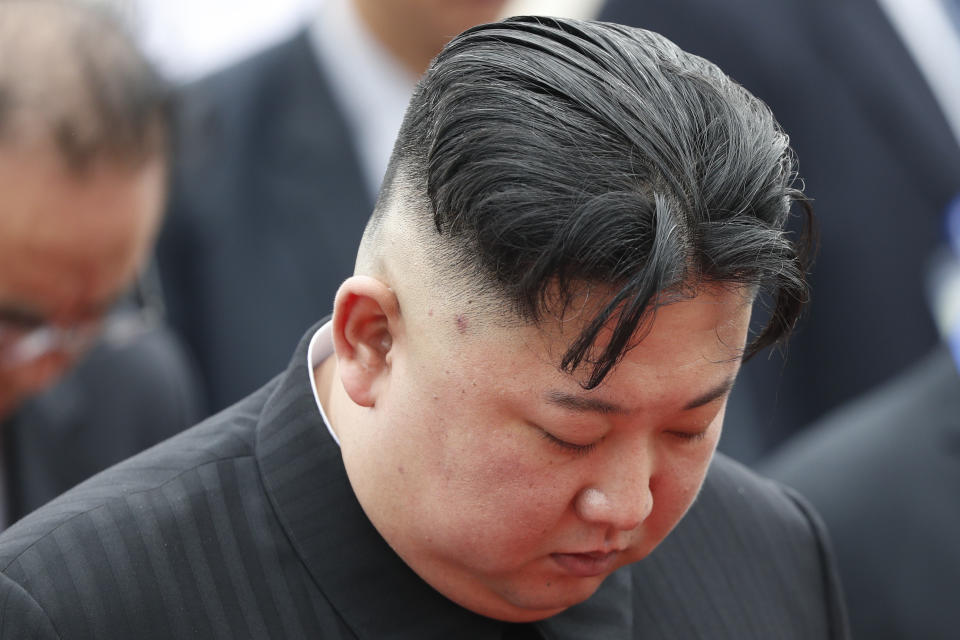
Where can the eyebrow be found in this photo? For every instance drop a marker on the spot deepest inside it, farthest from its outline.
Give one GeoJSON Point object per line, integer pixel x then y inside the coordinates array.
{"type": "Point", "coordinates": [718, 391]}
{"type": "Point", "coordinates": [582, 404]}
{"type": "Point", "coordinates": [574, 402]}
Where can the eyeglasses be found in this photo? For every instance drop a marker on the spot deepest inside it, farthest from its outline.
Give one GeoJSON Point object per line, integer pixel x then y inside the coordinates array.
{"type": "Point", "coordinates": [20, 345]}
{"type": "Point", "coordinates": [24, 342]}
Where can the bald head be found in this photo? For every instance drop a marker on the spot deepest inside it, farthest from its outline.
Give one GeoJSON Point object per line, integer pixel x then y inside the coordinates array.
{"type": "Point", "coordinates": [70, 75]}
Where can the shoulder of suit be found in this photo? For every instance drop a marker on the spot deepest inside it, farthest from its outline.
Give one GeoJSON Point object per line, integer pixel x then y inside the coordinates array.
{"type": "Point", "coordinates": [756, 516]}
{"type": "Point", "coordinates": [749, 559]}
{"type": "Point", "coordinates": [21, 617]}
{"type": "Point", "coordinates": [241, 89]}
{"type": "Point", "coordinates": [916, 412]}
{"type": "Point", "coordinates": [229, 435]}
{"type": "Point", "coordinates": [225, 120]}
{"type": "Point", "coordinates": [247, 74]}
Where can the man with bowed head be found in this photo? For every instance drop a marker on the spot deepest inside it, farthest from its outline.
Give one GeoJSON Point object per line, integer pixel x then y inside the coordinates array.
{"type": "Point", "coordinates": [84, 382]}
{"type": "Point", "coordinates": [507, 428]}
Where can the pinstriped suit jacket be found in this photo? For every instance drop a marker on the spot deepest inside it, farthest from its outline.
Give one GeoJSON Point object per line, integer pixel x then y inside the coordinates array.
{"type": "Point", "coordinates": [246, 527]}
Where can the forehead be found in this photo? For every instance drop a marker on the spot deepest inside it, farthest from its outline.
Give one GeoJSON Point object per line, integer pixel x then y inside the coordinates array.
{"type": "Point", "coordinates": [694, 339]}
{"type": "Point", "coordinates": [707, 326]}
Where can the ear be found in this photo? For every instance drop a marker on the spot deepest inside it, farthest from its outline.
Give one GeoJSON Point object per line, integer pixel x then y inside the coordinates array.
{"type": "Point", "coordinates": [366, 321]}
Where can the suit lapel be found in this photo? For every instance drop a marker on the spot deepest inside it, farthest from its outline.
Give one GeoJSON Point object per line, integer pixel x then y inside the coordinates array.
{"type": "Point", "coordinates": [858, 42]}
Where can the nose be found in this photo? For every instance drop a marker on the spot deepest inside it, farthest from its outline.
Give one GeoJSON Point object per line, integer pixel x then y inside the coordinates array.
{"type": "Point", "coordinates": [622, 501]}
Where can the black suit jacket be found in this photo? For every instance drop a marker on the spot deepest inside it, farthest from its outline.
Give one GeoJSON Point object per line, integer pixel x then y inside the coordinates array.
{"type": "Point", "coordinates": [121, 398]}
{"type": "Point", "coordinates": [246, 527]}
{"type": "Point", "coordinates": [885, 473]}
{"type": "Point", "coordinates": [880, 162]}
{"type": "Point", "coordinates": [266, 212]}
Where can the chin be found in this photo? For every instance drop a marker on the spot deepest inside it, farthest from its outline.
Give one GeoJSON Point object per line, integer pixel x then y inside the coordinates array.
{"type": "Point", "coordinates": [532, 604]}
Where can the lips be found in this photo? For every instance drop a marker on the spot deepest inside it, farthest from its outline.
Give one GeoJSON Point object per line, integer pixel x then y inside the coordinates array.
{"type": "Point", "coordinates": [586, 565]}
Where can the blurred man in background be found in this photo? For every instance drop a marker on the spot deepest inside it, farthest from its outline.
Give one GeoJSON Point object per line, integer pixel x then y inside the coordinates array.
{"type": "Point", "coordinates": [870, 94]}
{"type": "Point", "coordinates": [83, 153]}
{"type": "Point", "coordinates": [280, 159]}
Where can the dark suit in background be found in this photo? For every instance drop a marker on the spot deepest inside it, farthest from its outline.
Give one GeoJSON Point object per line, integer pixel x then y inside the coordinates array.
{"type": "Point", "coordinates": [267, 186]}
{"type": "Point", "coordinates": [885, 472]}
{"type": "Point", "coordinates": [119, 400]}
{"type": "Point", "coordinates": [246, 527]}
{"type": "Point", "coordinates": [880, 163]}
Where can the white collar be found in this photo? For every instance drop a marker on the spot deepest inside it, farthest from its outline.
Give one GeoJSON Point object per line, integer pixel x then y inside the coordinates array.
{"type": "Point", "coordinates": [371, 87]}
{"type": "Point", "coordinates": [321, 348]}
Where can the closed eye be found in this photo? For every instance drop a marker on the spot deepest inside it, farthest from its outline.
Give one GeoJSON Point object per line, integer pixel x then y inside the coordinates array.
{"type": "Point", "coordinates": [569, 447]}
{"type": "Point", "coordinates": [688, 436]}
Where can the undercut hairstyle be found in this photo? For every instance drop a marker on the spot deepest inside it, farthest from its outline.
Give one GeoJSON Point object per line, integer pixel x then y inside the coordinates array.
{"type": "Point", "coordinates": [71, 71]}
{"type": "Point", "coordinates": [544, 155]}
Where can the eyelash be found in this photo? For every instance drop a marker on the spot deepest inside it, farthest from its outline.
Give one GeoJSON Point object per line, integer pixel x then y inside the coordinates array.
{"type": "Point", "coordinates": [689, 437]}
{"type": "Point", "coordinates": [584, 449]}
{"type": "Point", "coordinates": [569, 447]}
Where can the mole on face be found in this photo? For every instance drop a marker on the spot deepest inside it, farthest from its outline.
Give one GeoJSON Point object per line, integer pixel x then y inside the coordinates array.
{"type": "Point", "coordinates": [462, 324]}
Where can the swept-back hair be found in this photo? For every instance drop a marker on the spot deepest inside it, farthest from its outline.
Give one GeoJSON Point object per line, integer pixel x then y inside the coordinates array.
{"type": "Point", "coordinates": [554, 154]}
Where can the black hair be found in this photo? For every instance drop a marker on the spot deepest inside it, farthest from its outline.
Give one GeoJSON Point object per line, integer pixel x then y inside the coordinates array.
{"type": "Point", "coordinates": [74, 68]}
{"type": "Point", "coordinates": [556, 153]}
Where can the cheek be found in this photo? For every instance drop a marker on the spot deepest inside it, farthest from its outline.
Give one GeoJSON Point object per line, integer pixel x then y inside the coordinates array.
{"type": "Point", "coordinates": [675, 487]}
{"type": "Point", "coordinates": [492, 502]}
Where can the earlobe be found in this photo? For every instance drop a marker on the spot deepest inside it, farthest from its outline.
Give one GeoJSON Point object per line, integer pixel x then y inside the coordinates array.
{"type": "Point", "coordinates": [365, 321]}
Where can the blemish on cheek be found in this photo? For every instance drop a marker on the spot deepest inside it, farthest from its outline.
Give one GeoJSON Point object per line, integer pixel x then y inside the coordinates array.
{"type": "Point", "coordinates": [401, 470]}
{"type": "Point", "coordinates": [430, 312]}
{"type": "Point", "coordinates": [462, 323]}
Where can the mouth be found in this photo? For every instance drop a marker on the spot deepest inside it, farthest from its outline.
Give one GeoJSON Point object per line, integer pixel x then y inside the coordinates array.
{"type": "Point", "coordinates": [586, 565]}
